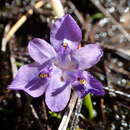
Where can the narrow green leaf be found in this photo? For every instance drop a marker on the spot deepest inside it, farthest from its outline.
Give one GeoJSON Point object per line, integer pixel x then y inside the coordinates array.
{"type": "Point", "coordinates": [97, 16]}
{"type": "Point", "coordinates": [53, 114]}
{"type": "Point", "coordinates": [19, 64]}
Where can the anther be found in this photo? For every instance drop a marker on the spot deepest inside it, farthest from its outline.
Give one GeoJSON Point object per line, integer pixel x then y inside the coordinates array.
{"type": "Point", "coordinates": [64, 44]}
{"type": "Point", "coordinates": [43, 75]}
{"type": "Point", "coordinates": [62, 79]}
{"type": "Point", "coordinates": [79, 46]}
{"type": "Point", "coordinates": [82, 81]}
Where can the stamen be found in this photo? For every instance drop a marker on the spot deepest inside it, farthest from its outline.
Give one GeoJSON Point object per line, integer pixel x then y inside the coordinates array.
{"type": "Point", "coordinates": [82, 81]}
{"type": "Point", "coordinates": [43, 75]}
{"type": "Point", "coordinates": [79, 46]}
{"type": "Point", "coordinates": [62, 79]}
{"type": "Point", "coordinates": [64, 44]}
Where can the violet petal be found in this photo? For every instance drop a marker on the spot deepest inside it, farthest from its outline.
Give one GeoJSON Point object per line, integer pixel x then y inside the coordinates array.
{"type": "Point", "coordinates": [65, 28]}
{"type": "Point", "coordinates": [88, 55]}
{"type": "Point", "coordinates": [28, 81]}
{"type": "Point", "coordinates": [92, 85]}
{"type": "Point", "coordinates": [36, 87]}
{"type": "Point", "coordinates": [57, 102]}
{"type": "Point", "coordinates": [40, 50]}
{"type": "Point", "coordinates": [95, 84]}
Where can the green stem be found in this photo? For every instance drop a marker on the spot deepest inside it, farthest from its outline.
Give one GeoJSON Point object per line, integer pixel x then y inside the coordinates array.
{"type": "Point", "coordinates": [88, 104]}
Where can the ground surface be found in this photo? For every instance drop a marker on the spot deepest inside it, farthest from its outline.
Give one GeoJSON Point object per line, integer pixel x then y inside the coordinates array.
{"type": "Point", "coordinates": [112, 110]}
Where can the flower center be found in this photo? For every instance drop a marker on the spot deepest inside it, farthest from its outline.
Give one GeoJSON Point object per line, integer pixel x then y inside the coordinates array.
{"type": "Point", "coordinates": [82, 81]}
{"type": "Point", "coordinates": [65, 45]}
{"type": "Point", "coordinates": [62, 78]}
{"type": "Point", "coordinates": [43, 75]}
{"type": "Point", "coordinates": [79, 46]}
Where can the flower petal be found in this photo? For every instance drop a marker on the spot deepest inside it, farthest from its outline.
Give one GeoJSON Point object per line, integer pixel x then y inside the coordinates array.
{"type": "Point", "coordinates": [28, 81]}
{"type": "Point", "coordinates": [88, 55]}
{"type": "Point", "coordinates": [66, 62]}
{"type": "Point", "coordinates": [81, 90]}
{"type": "Point", "coordinates": [96, 87]}
{"type": "Point", "coordinates": [25, 74]}
{"type": "Point", "coordinates": [65, 28]}
{"type": "Point", "coordinates": [57, 102]}
{"type": "Point", "coordinates": [92, 85]}
{"type": "Point", "coordinates": [36, 87]}
{"type": "Point", "coordinates": [40, 50]}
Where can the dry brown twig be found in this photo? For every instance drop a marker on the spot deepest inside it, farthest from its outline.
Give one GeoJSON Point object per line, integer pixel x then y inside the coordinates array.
{"type": "Point", "coordinates": [75, 119]}
{"type": "Point", "coordinates": [8, 35]}
{"type": "Point", "coordinates": [57, 7]}
{"type": "Point", "coordinates": [36, 117]}
{"type": "Point", "coordinates": [106, 13]}
{"type": "Point", "coordinates": [12, 59]}
{"type": "Point", "coordinates": [68, 113]}
{"type": "Point", "coordinates": [117, 92]}
{"type": "Point", "coordinates": [4, 41]}
{"type": "Point", "coordinates": [19, 23]}
{"type": "Point", "coordinates": [76, 12]}
{"type": "Point", "coordinates": [124, 53]}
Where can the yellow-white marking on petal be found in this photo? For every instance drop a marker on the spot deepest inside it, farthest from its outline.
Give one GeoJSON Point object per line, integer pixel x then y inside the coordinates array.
{"type": "Point", "coordinates": [65, 45]}
{"type": "Point", "coordinates": [82, 81]}
{"type": "Point", "coordinates": [43, 75]}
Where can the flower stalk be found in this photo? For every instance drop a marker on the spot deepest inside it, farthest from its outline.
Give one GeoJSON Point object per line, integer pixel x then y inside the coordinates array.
{"type": "Point", "coordinates": [88, 104]}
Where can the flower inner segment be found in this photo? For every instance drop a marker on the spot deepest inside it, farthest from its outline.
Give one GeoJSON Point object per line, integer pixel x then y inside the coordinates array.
{"type": "Point", "coordinates": [82, 81]}
{"type": "Point", "coordinates": [43, 75]}
{"type": "Point", "coordinates": [65, 45]}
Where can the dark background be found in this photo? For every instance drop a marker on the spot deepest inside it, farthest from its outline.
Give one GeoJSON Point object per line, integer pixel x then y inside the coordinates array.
{"type": "Point", "coordinates": [113, 109]}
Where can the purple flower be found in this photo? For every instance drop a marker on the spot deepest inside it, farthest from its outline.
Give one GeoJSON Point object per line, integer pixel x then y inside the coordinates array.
{"type": "Point", "coordinates": [60, 67]}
